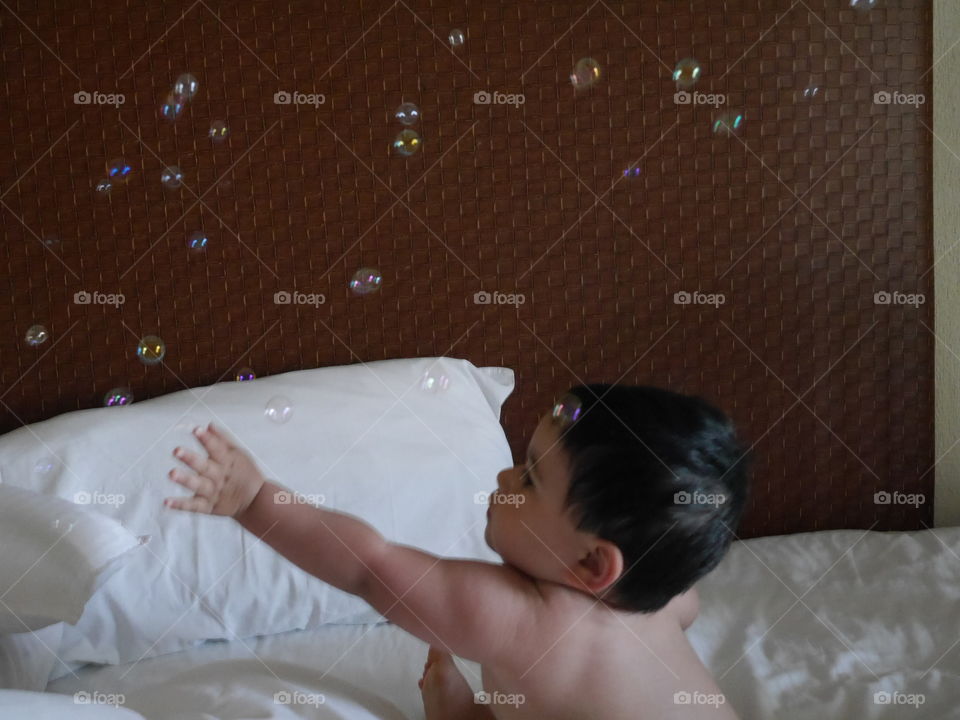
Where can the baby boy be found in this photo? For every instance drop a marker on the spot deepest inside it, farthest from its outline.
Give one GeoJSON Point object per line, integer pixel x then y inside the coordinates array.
{"type": "Point", "coordinates": [630, 494]}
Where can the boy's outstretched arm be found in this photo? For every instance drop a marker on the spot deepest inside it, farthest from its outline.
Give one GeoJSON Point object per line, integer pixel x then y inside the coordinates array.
{"type": "Point", "coordinates": [477, 610]}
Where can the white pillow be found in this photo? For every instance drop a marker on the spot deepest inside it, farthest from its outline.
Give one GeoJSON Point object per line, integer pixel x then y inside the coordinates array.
{"type": "Point", "coordinates": [50, 706]}
{"type": "Point", "coordinates": [27, 659]}
{"type": "Point", "coordinates": [55, 555]}
{"type": "Point", "coordinates": [411, 467]}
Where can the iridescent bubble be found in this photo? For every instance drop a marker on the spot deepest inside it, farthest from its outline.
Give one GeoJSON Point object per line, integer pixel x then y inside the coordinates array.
{"type": "Point", "coordinates": [687, 72]}
{"type": "Point", "coordinates": [863, 5]}
{"type": "Point", "coordinates": [50, 240]}
{"type": "Point", "coordinates": [407, 114]}
{"type": "Point", "coordinates": [365, 281]}
{"type": "Point", "coordinates": [47, 466]}
{"type": "Point", "coordinates": [118, 170]}
{"type": "Point", "coordinates": [244, 374]}
{"type": "Point", "coordinates": [197, 241]}
{"type": "Point", "coordinates": [434, 382]}
{"type": "Point", "coordinates": [567, 409]}
{"type": "Point", "coordinates": [585, 73]}
{"type": "Point", "coordinates": [456, 37]}
{"type": "Point", "coordinates": [151, 349]}
{"type": "Point", "coordinates": [406, 143]}
{"type": "Point", "coordinates": [104, 187]}
{"type": "Point", "coordinates": [279, 409]}
{"type": "Point", "coordinates": [811, 92]}
{"type": "Point", "coordinates": [36, 335]}
{"type": "Point", "coordinates": [218, 131]}
{"type": "Point", "coordinates": [171, 177]}
{"type": "Point", "coordinates": [172, 107]}
{"type": "Point", "coordinates": [185, 86]}
{"type": "Point", "coordinates": [631, 171]}
{"type": "Point", "coordinates": [118, 396]}
{"type": "Point", "coordinates": [728, 124]}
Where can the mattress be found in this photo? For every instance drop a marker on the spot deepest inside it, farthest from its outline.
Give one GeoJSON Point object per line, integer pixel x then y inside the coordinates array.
{"type": "Point", "coordinates": [839, 624]}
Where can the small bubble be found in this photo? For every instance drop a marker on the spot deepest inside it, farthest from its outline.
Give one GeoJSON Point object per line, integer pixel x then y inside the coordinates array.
{"type": "Point", "coordinates": [456, 37]}
{"type": "Point", "coordinates": [197, 241]}
{"type": "Point", "coordinates": [36, 335]}
{"type": "Point", "coordinates": [728, 124]}
{"type": "Point", "coordinates": [407, 114]}
{"type": "Point", "coordinates": [172, 107]}
{"type": "Point", "coordinates": [365, 281]}
{"type": "Point", "coordinates": [863, 5]}
{"type": "Point", "coordinates": [244, 374]}
{"type": "Point", "coordinates": [151, 349]}
{"type": "Point", "coordinates": [118, 396]}
{"type": "Point", "coordinates": [687, 72]}
{"type": "Point", "coordinates": [104, 187]}
{"type": "Point", "coordinates": [218, 131]}
{"type": "Point", "coordinates": [585, 73]}
{"type": "Point", "coordinates": [567, 409]}
{"type": "Point", "coordinates": [279, 409]}
{"type": "Point", "coordinates": [185, 86]}
{"type": "Point", "coordinates": [631, 171]}
{"type": "Point", "coordinates": [171, 177]}
{"type": "Point", "coordinates": [118, 170]}
{"type": "Point", "coordinates": [434, 382]}
{"type": "Point", "coordinates": [406, 143]}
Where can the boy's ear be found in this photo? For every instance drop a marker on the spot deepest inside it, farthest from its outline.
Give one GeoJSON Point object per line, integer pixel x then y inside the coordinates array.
{"type": "Point", "coordinates": [599, 567]}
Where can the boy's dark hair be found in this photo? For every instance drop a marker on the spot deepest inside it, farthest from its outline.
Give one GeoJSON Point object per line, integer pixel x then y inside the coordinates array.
{"type": "Point", "coordinates": [632, 449]}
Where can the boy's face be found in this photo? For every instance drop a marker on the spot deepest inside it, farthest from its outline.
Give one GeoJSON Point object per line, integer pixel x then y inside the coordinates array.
{"type": "Point", "coordinates": [526, 523]}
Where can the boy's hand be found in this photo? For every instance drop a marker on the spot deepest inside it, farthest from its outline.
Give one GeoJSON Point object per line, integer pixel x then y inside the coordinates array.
{"type": "Point", "coordinates": [225, 483]}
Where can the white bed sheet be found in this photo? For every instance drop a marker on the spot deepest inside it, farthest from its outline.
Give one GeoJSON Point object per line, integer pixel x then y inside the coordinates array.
{"type": "Point", "coordinates": [877, 613]}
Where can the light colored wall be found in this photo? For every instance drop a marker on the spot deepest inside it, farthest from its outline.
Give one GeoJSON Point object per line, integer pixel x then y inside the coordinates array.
{"type": "Point", "coordinates": [946, 241]}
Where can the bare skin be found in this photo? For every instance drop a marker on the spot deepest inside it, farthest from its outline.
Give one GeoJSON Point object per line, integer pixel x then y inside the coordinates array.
{"type": "Point", "coordinates": [550, 645]}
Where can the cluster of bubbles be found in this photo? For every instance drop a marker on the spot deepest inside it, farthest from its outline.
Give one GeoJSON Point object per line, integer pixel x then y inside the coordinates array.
{"type": "Point", "coordinates": [183, 90]}
{"type": "Point", "coordinates": [408, 140]}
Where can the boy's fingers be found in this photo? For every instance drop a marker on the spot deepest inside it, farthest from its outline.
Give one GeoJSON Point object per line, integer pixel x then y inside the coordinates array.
{"type": "Point", "coordinates": [224, 438]}
{"type": "Point", "coordinates": [192, 460]}
{"type": "Point", "coordinates": [199, 485]}
{"type": "Point", "coordinates": [214, 445]}
{"type": "Point", "coordinates": [190, 504]}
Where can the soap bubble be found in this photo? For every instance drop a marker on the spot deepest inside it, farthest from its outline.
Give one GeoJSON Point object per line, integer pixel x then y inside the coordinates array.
{"type": "Point", "coordinates": [218, 131]}
{"type": "Point", "coordinates": [151, 349]}
{"type": "Point", "coordinates": [728, 124]}
{"type": "Point", "coordinates": [863, 5]}
{"type": "Point", "coordinates": [365, 281]}
{"type": "Point", "coordinates": [456, 37]}
{"type": "Point", "coordinates": [172, 107]}
{"type": "Point", "coordinates": [118, 396]}
{"type": "Point", "coordinates": [585, 73]}
{"type": "Point", "coordinates": [407, 113]}
{"type": "Point", "coordinates": [279, 409]}
{"type": "Point", "coordinates": [632, 171]}
{"type": "Point", "coordinates": [197, 241]}
{"type": "Point", "coordinates": [687, 72]}
{"type": "Point", "coordinates": [811, 92]}
{"type": "Point", "coordinates": [36, 335]}
{"type": "Point", "coordinates": [245, 373]}
{"type": "Point", "coordinates": [185, 86]}
{"type": "Point", "coordinates": [567, 409]}
{"type": "Point", "coordinates": [118, 170]}
{"type": "Point", "coordinates": [171, 177]}
{"type": "Point", "coordinates": [47, 466]}
{"type": "Point", "coordinates": [104, 187]}
{"type": "Point", "coordinates": [434, 382]}
{"type": "Point", "coordinates": [407, 143]}
{"type": "Point", "coordinates": [65, 526]}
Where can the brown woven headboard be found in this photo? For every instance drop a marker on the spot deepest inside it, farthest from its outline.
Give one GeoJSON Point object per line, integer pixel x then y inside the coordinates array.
{"type": "Point", "coordinates": [821, 201]}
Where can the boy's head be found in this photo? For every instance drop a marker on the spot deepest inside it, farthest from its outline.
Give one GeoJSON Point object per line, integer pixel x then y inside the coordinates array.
{"type": "Point", "coordinates": [630, 492]}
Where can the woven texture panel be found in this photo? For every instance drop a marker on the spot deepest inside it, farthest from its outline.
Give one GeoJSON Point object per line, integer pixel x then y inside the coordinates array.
{"type": "Point", "coordinates": [817, 205]}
